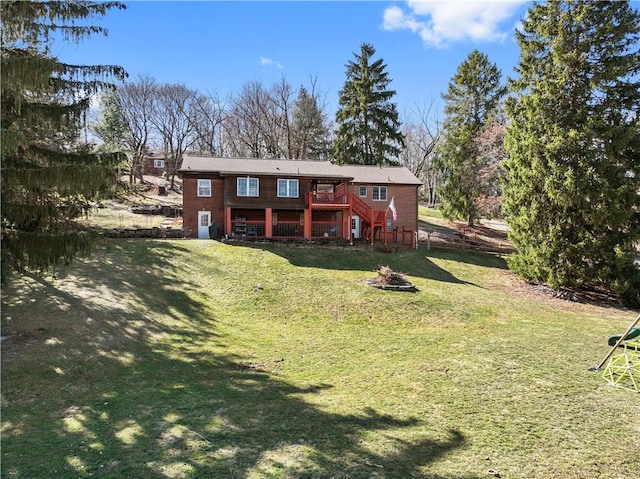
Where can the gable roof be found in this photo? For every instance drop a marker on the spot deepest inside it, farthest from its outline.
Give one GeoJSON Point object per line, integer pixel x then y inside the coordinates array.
{"type": "Point", "coordinates": [299, 168]}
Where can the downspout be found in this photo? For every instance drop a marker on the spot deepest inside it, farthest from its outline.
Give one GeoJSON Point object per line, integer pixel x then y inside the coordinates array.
{"type": "Point", "coordinates": [384, 227]}
{"type": "Point", "coordinates": [350, 223]}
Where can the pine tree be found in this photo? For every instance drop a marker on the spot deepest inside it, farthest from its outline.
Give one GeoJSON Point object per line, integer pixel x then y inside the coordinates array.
{"type": "Point", "coordinates": [472, 99]}
{"type": "Point", "coordinates": [310, 133]}
{"type": "Point", "coordinates": [111, 126]}
{"type": "Point", "coordinates": [368, 126]}
{"type": "Point", "coordinates": [571, 191]}
{"type": "Point", "coordinates": [48, 177]}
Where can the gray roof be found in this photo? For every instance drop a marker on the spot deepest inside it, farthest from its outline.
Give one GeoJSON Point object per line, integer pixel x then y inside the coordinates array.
{"type": "Point", "coordinates": [299, 168]}
{"type": "Point", "coordinates": [399, 175]}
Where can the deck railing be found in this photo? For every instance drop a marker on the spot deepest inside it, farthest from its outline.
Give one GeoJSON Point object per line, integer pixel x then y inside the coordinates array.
{"type": "Point", "coordinates": [327, 198]}
{"type": "Point", "coordinates": [246, 228]}
{"type": "Point", "coordinates": [360, 207]}
{"type": "Point", "coordinates": [288, 229]}
{"type": "Point", "coordinates": [319, 229]}
{"type": "Point", "coordinates": [326, 229]}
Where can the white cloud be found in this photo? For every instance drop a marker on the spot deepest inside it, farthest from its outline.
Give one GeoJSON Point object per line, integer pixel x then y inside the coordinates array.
{"type": "Point", "coordinates": [440, 23]}
{"type": "Point", "coordinates": [265, 61]}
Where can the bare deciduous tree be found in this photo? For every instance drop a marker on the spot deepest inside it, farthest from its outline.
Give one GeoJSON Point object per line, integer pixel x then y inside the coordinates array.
{"type": "Point", "coordinates": [136, 103]}
{"type": "Point", "coordinates": [174, 112]}
{"type": "Point", "coordinates": [245, 123]}
{"type": "Point", "coordinates": [422, 133]}
{"type": "Point", "coordinates": [257, 122]}
{"type": "Point", "coordinates": [280, 133]}
{"type": "Point", "coordinates": [277, 123]}
{"type": "Point", "coordinates": [209, 118]}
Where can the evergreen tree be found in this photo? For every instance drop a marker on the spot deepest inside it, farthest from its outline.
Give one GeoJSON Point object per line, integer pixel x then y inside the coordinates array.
{"type": "Point", "coordinates": [472, 99]}
{"type": "Point", "coordinates": [48, 177]}
{"type": "Point", "coordinates": [111, 126]}
{"type": "Point", "coordinates": [571, 191]}
{"type": "Point", "coordinates": [368, 126]}
{"type": "Point", "coordinates": [310, 133]}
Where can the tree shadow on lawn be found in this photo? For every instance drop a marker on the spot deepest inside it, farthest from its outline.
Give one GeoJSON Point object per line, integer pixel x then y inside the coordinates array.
{"type": "Point", "coordinates": [413, 262]}
{"type": "Point", "coordinates": [101, 391]}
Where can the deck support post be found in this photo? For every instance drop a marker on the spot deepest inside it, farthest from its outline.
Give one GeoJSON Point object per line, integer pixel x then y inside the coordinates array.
{"type": "Point", "coordinates": [268, 223]}
{"type": "Point", "coordinates": [349, 224]}
{"type": "Point", "coordinates": [384, 227]}
{"type": "Point", "coordinates": [227, 221]}
{"type": "Point", "coordinates": [372, 222]}
{"type": "Point", "coordinates": [307, 223]}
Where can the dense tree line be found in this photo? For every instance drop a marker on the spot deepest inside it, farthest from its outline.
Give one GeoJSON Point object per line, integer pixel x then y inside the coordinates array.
{"type": "Point", "coordinates": [560, 157]}
{"type": "Point", "coordinates": [274, 121]}
{"type": "Point", "coordinates": [256, 122]}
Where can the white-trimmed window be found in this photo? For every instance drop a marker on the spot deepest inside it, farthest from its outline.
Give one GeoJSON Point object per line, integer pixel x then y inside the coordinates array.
{"type": "Point", "coordinates": [158, 163]}
{"type": "Point", "coordinates": [363, 191]}
{"type": "Point", "coordinates": [287, 188]}
{"type": "Point", "coordinates": [248, 186]}
{"type": "Point", "coordinates": [379, 193]}
{"type": "Point", "coordinates": [204, 187]}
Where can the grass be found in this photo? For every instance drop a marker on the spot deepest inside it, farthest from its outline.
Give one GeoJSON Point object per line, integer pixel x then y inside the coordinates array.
{"type": "Point", "coordinates": [197, 359]}
{"type": "Point", "coordinates": [425, 212]}
{"type": "Point", "coordinates": [118, 215]}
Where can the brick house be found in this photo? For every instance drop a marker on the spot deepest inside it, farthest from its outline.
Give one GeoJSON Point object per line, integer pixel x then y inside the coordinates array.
{"type": "Point", "coordinates": [265, 198]}
{"type": "Point", "coordinates": [154, 163]}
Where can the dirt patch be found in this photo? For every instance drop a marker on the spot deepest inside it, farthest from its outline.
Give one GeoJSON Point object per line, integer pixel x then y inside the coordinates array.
{"type": "Point", "coordinates": [567, 298]}
{"type": "Point", "coordinates": [490, 237]}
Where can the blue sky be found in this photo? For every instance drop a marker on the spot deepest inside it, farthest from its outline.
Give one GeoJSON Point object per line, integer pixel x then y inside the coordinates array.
{"type": "Point", "coordinates": [217, 46]}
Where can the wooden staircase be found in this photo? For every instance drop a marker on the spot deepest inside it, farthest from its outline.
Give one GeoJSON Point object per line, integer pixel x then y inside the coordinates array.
{"type": "Point", "coordinates": [373, 221]}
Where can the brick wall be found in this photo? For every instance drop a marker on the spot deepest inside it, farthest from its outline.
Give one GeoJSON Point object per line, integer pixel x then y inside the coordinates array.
{"type": "Point", "coordinates": [406, 200]}
{"type": "Point", "coordinates": [192, 203]}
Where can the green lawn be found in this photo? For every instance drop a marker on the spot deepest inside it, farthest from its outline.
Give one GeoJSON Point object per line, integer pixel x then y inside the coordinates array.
{"type": "Point", "coordinates": [425, 212]}
{"type": "Point", "coordinates": [197, 359]}
{"type": "Point", "coordinates": [118, 215]}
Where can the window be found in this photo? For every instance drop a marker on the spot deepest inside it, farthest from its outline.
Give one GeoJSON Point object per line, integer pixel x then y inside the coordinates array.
{"type": "Point", "coordinates": [288, 188]}
{"type": "Point", "coordinates": [158, 163]}
{"type": "Point", "coordinates": [204, 187]}
{"type": "Point", "coordinates": [363, 191]}
{"type": "Point", "coordinates": [248, 186]}
{"type": "Point", "coordinates": [380, 193]}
